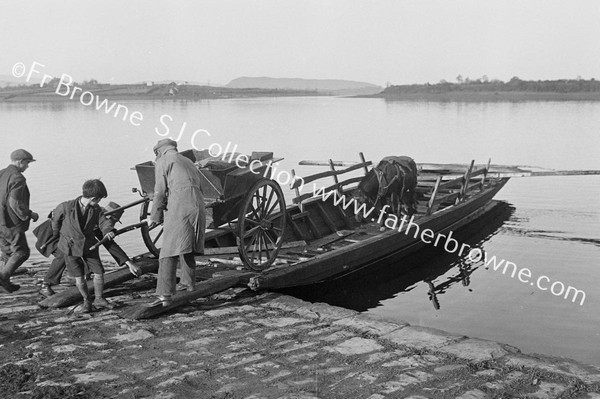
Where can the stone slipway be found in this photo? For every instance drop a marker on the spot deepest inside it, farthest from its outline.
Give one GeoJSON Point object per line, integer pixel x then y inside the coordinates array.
{"type": "Point", "coordinates": [261, 346]}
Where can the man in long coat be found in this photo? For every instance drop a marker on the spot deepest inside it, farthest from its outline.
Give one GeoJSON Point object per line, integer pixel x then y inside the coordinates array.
{"type": "Point", "coordinates": [178, 204]}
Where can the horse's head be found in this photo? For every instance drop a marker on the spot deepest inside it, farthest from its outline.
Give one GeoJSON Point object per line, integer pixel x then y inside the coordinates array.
{"type": "Point", "coordinates": [366, 192]}
{"type": "Point", "coordinates": [360, 197]}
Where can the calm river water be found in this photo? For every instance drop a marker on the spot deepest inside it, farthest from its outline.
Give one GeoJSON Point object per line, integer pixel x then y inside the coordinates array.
{"type": "Point", "coordinates": [549, 225]}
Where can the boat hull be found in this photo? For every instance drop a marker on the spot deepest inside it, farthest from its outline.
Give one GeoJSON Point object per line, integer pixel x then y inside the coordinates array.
{"type": "Point", "coordinates": [391, 242]}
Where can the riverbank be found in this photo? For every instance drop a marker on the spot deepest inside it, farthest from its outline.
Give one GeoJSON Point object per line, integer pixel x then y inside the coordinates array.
{"type": "Point", "coordinates": [35, 94]}
{"type": "Point", "coordinates": [239, 344]}
{"type": "Point", "coordinates": [483, 96]}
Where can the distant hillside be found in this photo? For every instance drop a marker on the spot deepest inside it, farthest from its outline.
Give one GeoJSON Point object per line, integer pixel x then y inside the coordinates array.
{"type": "Point", "coordinates": [329, 86]}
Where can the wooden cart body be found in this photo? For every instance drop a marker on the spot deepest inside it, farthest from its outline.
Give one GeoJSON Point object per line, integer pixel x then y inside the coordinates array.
{"type": "Point", "coordinates": [225, 182]}
{"type": "Point", "coordinates": [243, 200]}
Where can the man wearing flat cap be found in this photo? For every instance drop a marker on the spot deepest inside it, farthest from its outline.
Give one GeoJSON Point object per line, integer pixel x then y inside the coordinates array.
{"type": "Point", "coordinates": [178, 203]}
{"type": "Point", "coordinates": [15, 216]}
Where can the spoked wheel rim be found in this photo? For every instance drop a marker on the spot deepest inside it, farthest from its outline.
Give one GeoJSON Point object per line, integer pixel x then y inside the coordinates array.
{"type": "Point", "coordinates": [152, 236]}
{"type": "Point", "coordinates": [261, 225]}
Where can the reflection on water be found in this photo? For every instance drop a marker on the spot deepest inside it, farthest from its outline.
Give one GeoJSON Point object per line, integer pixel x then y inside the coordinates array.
{"type": "Point", "coordinates": [385, 279]}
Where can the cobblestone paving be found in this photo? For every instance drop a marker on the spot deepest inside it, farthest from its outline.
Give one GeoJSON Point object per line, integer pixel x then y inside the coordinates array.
{"type": "Point", "coordinates": [265, 346]}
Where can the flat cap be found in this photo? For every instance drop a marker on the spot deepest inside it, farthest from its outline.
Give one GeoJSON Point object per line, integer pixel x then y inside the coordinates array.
{"type": "Point", "coordinates": [115, 215]}
{"type": "Point", "coordinates": [21, 155]}
{"type": "Point", "coordinates": [164, 143]}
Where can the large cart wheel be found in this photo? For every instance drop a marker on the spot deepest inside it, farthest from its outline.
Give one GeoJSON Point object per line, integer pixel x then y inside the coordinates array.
{"type": "Point", "coordinates": [152, 236]}
{"type": "Point", "coordinates": [261, 224]}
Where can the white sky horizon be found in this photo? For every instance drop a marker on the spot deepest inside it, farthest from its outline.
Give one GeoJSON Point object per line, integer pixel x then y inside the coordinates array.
{"type": "Point", "coordinates": [380, 42]}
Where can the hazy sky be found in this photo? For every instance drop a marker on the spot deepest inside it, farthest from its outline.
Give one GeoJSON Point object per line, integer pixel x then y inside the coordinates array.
{"type": "Point", "coordinates": [374, 41]}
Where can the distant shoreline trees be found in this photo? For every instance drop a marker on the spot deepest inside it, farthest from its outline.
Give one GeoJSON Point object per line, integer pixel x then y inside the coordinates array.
{"type": "Point", "coordinates": [483, 84]}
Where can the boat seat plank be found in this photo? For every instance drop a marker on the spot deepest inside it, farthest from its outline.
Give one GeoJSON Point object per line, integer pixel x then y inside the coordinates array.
{"type": "Point", "coordinates": [299, 215]}
{"type": "Point", "coordinates": [451, 183]}
{"type": "Point", "coordinates": [330, 223]}
{"type": "Point", "coordinates": [337, 186]}
{"type": "Point", "coordinates": [440, 199]}
{"type": "Point", "coordinates": [478, 172]}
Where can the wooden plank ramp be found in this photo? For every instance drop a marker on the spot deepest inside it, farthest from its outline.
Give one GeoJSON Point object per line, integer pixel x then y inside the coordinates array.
{"type": "Point", "coordinates": [202, 289]}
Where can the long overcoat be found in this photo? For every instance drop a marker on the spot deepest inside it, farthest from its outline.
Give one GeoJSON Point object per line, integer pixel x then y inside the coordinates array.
{"type": "Point", "coordinates": [14, 200]}
{"type": "Point", "coordinates": [178, 202]}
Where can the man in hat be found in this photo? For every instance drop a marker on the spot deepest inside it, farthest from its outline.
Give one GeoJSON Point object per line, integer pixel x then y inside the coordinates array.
{"type": "Point", "coordinates": [47, 245]}
{"type": "Point", "coordinates": [183, 217]}
{"type": "Point", "coordinates": [15, 217]}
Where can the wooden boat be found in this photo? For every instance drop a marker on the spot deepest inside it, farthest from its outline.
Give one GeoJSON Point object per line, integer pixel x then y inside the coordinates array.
{"type": "Point", "coordinates": [323, 241]}
{"type": "Point", "coordinates": [338, 245]}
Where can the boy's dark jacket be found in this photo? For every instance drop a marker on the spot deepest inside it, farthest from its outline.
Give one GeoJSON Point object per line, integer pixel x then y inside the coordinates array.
{"type": "Point", "coordinates": [43, 233]}
{"type": "Point", "coordinates": [75, 241]}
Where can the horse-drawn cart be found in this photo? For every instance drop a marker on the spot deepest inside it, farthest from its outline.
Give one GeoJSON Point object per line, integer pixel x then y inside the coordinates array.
{"type": "Point", "coordinates": [242, 197]}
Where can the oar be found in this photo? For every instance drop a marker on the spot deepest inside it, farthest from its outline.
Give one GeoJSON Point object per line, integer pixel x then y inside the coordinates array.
{"type": "Point", "coordinates": [118, 232]}
{"type": "Point", "coordinates": [459, 169]}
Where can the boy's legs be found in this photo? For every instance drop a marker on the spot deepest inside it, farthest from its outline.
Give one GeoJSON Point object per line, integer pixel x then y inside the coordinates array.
{"type": "Point", "coordinates": [54, 273]}
{"type": "Point", "coordinates": [95, 266]}
{"type": "Point", "coordinates": [56, 269]}
{"type": "Point", "coordinates": [75, 267]}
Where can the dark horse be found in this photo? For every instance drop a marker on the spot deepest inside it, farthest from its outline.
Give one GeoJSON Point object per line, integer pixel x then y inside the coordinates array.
{"type": "Point", "coordinates": [392, 182]}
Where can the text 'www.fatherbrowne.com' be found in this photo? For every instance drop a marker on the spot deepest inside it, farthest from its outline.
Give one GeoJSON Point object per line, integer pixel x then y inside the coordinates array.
{"type": "Point", "coordinates": [450, 245]}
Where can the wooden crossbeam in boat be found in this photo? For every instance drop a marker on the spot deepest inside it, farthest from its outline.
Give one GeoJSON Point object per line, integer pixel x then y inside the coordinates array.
{"type": "Point", "coordinates": [487, 168]}
{"type": "Point", "coordinates": [451, 197]}
{"type": "Point", "coordinates": [478, 172]}
{"type": "Point", "coordinates": [333, 172]}
{"type": "Point", "coordinates": [451, 183]}
{"type": "Point", "coordinates": [433, 195]}
{"type": "Point", "coordinates": [473, 185]}
{"type": "Point", "coordinates": [311, 223]}
{"type": "Point", "coordinates": [465, 183]}
{"type": "Point", "coordinates": [297, 189]}
{"type": "Point", "coordinates": [326, 218]}
{"type": "Point", "coordinates": [297, 230]}
{"type": "Point", "coordinates": [338, 186]}
{"type": "Point", "coordinates": [300, 215]}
